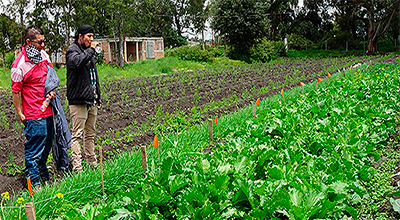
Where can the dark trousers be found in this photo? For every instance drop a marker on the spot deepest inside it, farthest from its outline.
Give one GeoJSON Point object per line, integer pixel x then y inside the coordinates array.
{"type": "Point", "coordinates": [39, 134]}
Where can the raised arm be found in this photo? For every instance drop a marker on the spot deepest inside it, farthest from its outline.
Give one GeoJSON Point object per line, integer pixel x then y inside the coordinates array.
{"type": "Point", "coordinates": [76, 59]}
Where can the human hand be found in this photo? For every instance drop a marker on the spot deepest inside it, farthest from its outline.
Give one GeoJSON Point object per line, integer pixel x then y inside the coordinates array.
{"type": "Point", "coordinates": [22, 117]}
{"type": "Point", "coordinates": [51, 95]}
{"type": "Point", "coordinates": [98, 105]}
{"type": "Point", "coordinates": [94, 44]}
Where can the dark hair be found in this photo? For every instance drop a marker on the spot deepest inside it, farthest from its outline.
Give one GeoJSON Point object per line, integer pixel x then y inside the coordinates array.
{"type": "Point", "coordinates": [76, 37]}
{"type": "Point", "coordinates": [82, 30]}
{"type": "Point", "coordinates": [32, 31]}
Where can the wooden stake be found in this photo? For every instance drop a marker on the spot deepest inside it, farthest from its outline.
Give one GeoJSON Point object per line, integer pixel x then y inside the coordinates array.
{"type": "Point", "coordinates": [217, 131]}
{"type": "Point", "coordinates": [144, 159]}
{"type": "Point", "coordinates": [254, 111]}
{"type": "Point", "coordinates": [316, 85]}
{"type": "Point", "coordinates": [158, 151]}
{"type": "Point", "coordinates": [210, 130]}
{"type": "Point", "coordinates": [327, 80]}
{"type": "Point", "coordinates": [344, 72]}
{"type": "Point", "coordinates": [30, 211]}
{"type": "Point", "coordinates": [303, 89]}
{"type": "Point", "coordinates": [101, 169]}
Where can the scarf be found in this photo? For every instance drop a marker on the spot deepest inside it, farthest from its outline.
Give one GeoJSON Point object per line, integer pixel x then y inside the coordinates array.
{"type": "Point", "coordinates": [33, 54]}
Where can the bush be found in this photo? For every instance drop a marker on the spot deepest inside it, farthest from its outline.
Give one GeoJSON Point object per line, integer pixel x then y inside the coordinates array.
{"type": "Point", "coordinates": [194, 53]}
{"type": "Point", "coordinates": [339, 41]}
{"type": "Point", "coordinates": [385, 46]}
{"type": "Point", "coordinates": [99, 58]}
{"type": "Point", "coordinates": [10, 57]}
{"type": "Point", "coordinates": [299, 42]}
{"type": "Point", "coordinates": [264, 50]}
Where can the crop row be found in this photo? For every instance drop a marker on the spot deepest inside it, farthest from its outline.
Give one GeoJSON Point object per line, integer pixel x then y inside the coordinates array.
{"type": "Point", "coordinates": [134, 110]}
{"type": "Point", "coordinates": [155, 103]}
{"type": "Point", "coordinates": [310, 158]}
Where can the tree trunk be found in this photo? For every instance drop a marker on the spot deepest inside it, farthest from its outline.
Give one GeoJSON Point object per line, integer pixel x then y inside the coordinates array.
{"type": "Point", "coordinates": [178, 25]}
{"type": "Point", "coordinates": [371, 46]}
{"type": "Point", "coordinates": [224, 45]}
{"type": "Point", "coordinates": [202, 36]}
{"type": "Point", "coordinates": [376, 29]}
{"type": "Point", "coordinates": [66, 23]}
{"type": "Point", "coordinates": [121, 51]}
{"type": "Point", "coordinates": [212, 37]}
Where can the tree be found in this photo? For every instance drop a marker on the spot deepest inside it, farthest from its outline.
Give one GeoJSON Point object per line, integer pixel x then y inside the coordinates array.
{"type": "Point", "coordinates": [64, 13]}
{"type": "Point", "coordinates": [199, 13]}
{"type": "Point", "coordinates": [172, 39]}
{"type": "Point", "coordinates": [17, 10]}
{"type": "Point", "coordinates": [180, 15]}
{"type": "Point", "coordinates": [242, 22]}
{"type": "Point", "coordinates": [376, 15]}
{"type": "Point", "coordinates": [20, 6]}
{"type": "Point", "coordinates": [51, 28]}
{"type": "Point", "coordinates": [347, 18]}
{"type": "Point", "coordinates": [313, 21]}
{"type": "Point", "coordinates": [120, 14]}
{"type": "Point", "coordinates": [379, 17]}
{"type": "Point", "coordinates": [154, 18]}
{"type": "Point", "coordinates": [394, 28]}
{"type": "Point", "coordinates": [10, 33]}
{"type": "Point", "coordinates": [281, 16]}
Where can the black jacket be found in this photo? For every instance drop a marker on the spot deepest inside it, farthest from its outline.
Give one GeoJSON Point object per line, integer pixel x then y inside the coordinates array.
{"type": "Point", "coordinates": [80, 64]}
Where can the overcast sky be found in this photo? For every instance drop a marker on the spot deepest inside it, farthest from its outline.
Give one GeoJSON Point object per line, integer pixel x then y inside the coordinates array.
{"type": "Point", "coordinates": [5, 2]}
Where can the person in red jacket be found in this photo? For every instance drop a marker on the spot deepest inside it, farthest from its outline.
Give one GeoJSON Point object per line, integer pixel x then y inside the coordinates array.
{"type": "Point", "coordinates": [28, 78]}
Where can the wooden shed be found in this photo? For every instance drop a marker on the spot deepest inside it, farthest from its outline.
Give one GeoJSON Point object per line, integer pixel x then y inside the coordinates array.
{"type": "Point", "coordinates": [135, 48]}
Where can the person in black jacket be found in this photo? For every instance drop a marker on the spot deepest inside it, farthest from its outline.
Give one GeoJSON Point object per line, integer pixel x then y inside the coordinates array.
{"type": "Point", "coordinates": [83, 94]}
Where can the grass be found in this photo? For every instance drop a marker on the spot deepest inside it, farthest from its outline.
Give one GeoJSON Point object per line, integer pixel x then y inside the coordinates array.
{"type": "Point", "coordinates": [5, 80]}
{"type": "Point", "coordinates": [143, 68]}
{"type": "Point", "coordinates": [323, 53]}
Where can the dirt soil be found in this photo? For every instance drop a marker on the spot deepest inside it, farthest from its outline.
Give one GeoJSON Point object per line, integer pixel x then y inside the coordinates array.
{"type": "Point", "coordinates": [130, 104]}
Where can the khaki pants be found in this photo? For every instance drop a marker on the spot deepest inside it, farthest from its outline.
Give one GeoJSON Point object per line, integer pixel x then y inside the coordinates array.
{"type": "Point", "coordinates": [83, 129]}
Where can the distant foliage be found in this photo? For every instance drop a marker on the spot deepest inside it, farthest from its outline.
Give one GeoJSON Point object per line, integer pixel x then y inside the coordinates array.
{"type": "Point", "coordinates": [173, 40]}
{"type": "Point", "coordinates": [337, 41]}
{"type": "Point", "coordinates": [242, 22]}
{"type": "Point", "coordinates": [322, 53]}
{"type": "Point", "coordinates": [10, 57]}
{"type": "Point", "coordinates": [265, 50]}
{"type": "Point", "coordinates": [99, 58]}
{"type": "Point", "coordinates": [385, 46]}
{"type": "Point", "coordinates": [299, 42]}
{"type": "Point", "coordinates": [194, 53]}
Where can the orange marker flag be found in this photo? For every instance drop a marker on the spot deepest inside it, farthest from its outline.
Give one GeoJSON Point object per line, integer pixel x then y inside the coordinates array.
{"type": "Point", "coordinates": [302, 84]}
{"type": "Point", "coordinates": [155, 142]}
{"type": "Point", "coordinates": [319, 79]}
{"type": "Point", "coordinates": [216, 120]}
{"type": "Point", "coordinates": [29, 186]}
{"type": "Point", "coordinates": [282, 93]}
{"type": "Point", "coordinates": [329, 74]}
{"type": "Point", "coordinates": [258, 102]}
